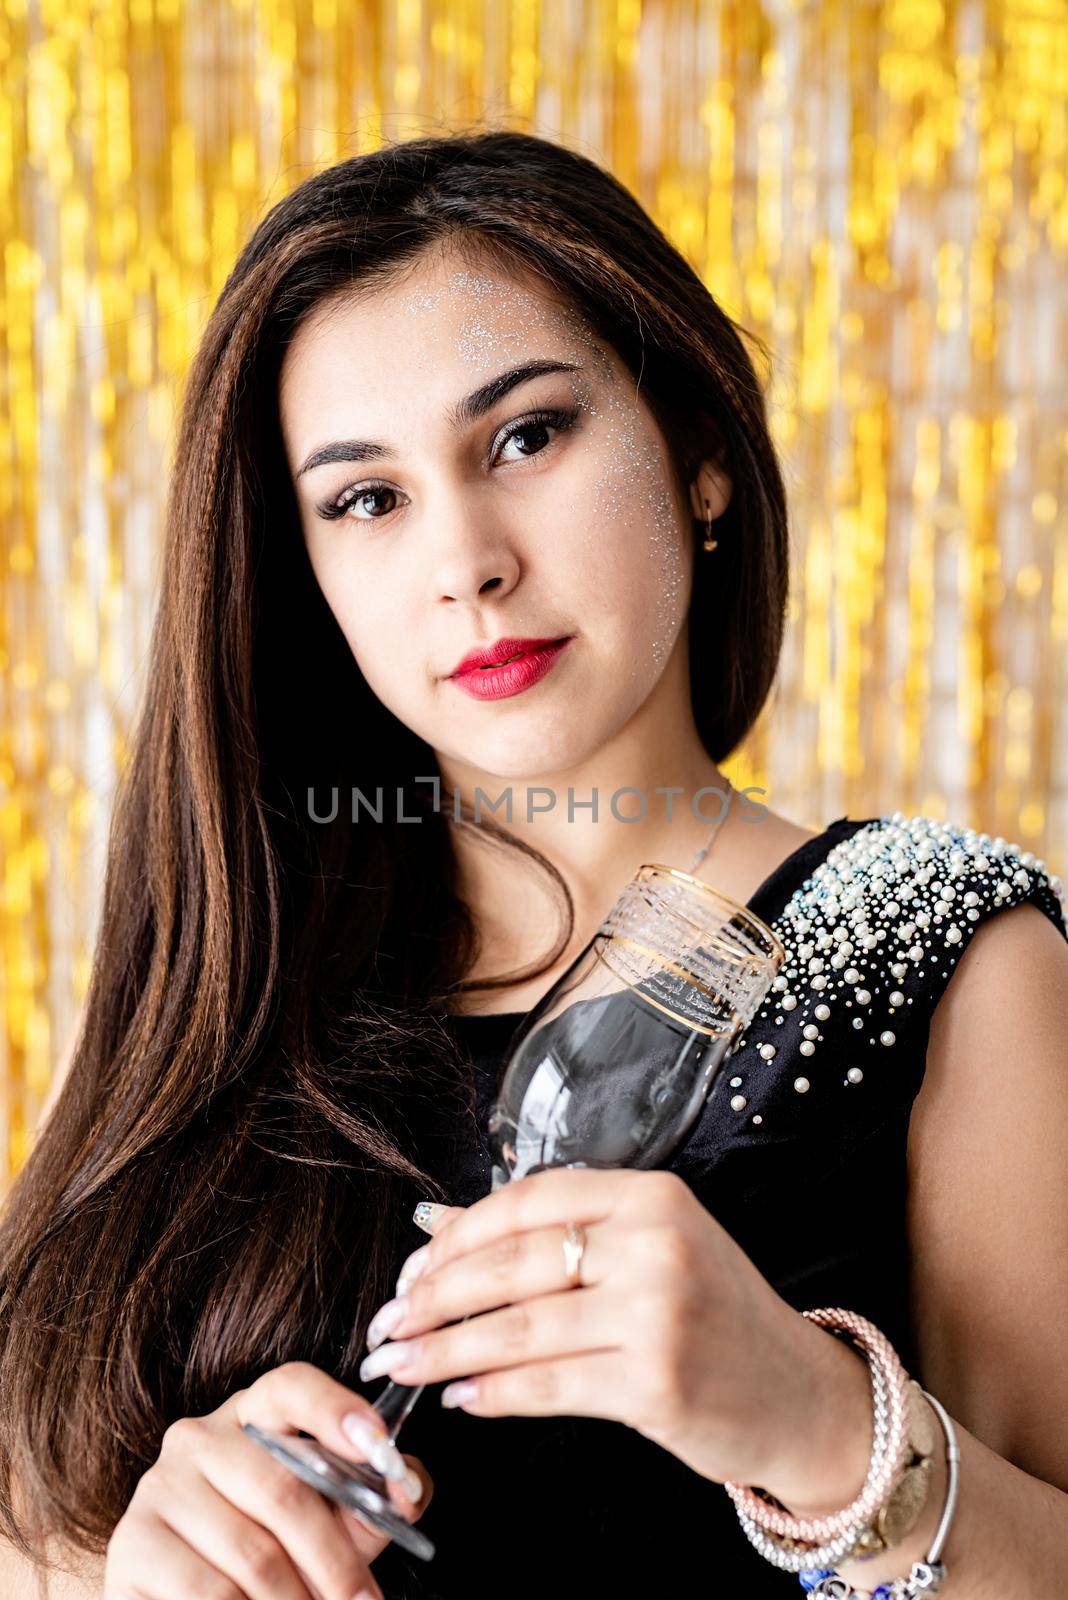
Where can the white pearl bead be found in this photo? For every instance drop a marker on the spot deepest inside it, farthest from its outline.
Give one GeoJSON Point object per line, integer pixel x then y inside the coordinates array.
{"type": "Point", "coordinates": [758, 1119]}
{"type": "Point", "coordinates": [810, 1031]}
{"type": "Point", "coordinates": [855, 1075]}
{"type": "Point", "coordinates": [897, 998]}
{"type": "Point", "coordinates": [887, 1037]}
{"type": "Point", "coordinates": [802, 1085]}
{"type": "Point", "coordinates": [863, 997]}
{"type": "Point", "coordinates": [806, 1047]}
{"type": "Point", "coordinates": [767, 1051]}
{"type": "Point", "coordinates": [735, 1082]}
{"type": "Point", "coordinates": [788, 1002]}
{"type": "Point", "coordinates": [738, 1102]}
{"type": "Point", "coordinates": [823, 1012]}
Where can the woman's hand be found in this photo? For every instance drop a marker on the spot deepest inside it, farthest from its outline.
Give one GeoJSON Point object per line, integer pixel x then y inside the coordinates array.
{"type": "Point", "coordinates": [674, 1331]}
{"type": "Point", "coordinates": [219, 1518]}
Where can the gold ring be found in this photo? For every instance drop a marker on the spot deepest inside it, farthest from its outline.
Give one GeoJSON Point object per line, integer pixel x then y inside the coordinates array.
{"type": "Point", "coordinates": [574, 1245]}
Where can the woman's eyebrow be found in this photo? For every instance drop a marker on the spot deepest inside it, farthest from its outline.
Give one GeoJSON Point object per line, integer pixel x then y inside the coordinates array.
{"type": "Point", "coordinates": [460, 415]}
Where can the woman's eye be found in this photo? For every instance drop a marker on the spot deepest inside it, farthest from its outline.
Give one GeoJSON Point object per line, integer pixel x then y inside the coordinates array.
{"type": "Point", "coordinates": [534, 428]}
{"type": "Point", "coordinates": [537, 427]}
{"type": "Point", "coordinates": [354, 496]}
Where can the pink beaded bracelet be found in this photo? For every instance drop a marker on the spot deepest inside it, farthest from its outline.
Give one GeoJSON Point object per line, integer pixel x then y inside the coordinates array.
{"type": "Point", "coordinates": [889, 1445]}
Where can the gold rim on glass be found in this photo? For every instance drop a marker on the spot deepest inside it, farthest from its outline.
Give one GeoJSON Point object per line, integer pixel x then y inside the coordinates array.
{"type": "Point", "coordinates": [769, 951]}
{"type": "Point", "coordinates": [759, 926]}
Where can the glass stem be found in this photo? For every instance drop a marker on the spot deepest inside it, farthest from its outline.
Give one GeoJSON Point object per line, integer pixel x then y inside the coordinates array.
{"type": "Point", "coordinates": [394, 1404]}
{"type": "Point", "coordinates": [397, 1399]}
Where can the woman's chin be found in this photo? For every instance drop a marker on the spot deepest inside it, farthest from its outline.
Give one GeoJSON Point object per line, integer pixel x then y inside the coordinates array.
{"type": "Point", "coordinates": [521, 757]}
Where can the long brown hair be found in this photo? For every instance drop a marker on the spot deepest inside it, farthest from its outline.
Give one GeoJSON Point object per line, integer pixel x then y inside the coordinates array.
{"type": "Point", "coordinates": [263, 1085]}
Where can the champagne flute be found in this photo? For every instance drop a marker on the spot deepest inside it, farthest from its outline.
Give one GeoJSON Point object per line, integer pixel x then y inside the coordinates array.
{"type": "Point", "coordinates": [609, 1069]}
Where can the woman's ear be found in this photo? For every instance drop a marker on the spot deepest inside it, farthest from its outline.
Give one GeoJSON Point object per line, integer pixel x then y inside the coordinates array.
{"type": "Point", "coordinates": [712, 485]}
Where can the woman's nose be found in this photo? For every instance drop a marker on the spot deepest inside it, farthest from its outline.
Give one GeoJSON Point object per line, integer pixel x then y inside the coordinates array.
{"type": "Point", "coordinates": [474, 566]}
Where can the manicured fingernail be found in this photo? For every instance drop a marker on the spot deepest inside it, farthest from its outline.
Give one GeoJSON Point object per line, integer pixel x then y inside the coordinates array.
{"type": "Point", "coordinates": [363, 1434]}
{"type": "Point", "coordinates": [389, 1461]}
{"type": "Point", "coordinates": [388, 1317]}
{"type": "Point", "coordinates": [387, 1358]}
{"type": "Point", "coordinates": [458, 1394]}
{"type": "Point", "coordinates": [413, 1486]}
{"type": "Point", "coordinates": [426, 1214]}
{"type": "Point", "coordinates": [413, 1268]}
{"type": "Point", "coordinates": [383, 1456]}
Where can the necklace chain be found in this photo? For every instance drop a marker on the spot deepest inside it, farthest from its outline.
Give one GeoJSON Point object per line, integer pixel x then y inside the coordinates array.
{"type": "Point", "coordinates": [720, 820]}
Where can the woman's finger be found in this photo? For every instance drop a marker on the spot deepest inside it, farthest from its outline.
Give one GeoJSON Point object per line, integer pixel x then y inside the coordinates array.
{"type": "Point", "coordinates": [166, 1567]}
{"type": "Point", "coordinates": [416, 1504]}
{"type": "Point", "coordinates": [298, 1515]}
{"type": "Point", "coordinates": [432, 1217]}
{"type": "Point", "coordinates": [299, 1396]}
{"type": "Point", "coordinates": [245, 1551]}
{"type": "Point", "coordinates": [516, 1267]}
{"type": "Point", "coordinates": [594, 1384]}
{"type": "Point", "coordinates": [549, 1326]}
{"type": "Point", "coordinates": [410, 1506]}
{"type": "Point", "coordinates": [557, 1195]}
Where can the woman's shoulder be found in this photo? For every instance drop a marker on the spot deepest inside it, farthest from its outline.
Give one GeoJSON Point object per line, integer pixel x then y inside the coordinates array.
{"type": "Point", "coordinates": [872, 934]}
{"type": "Point", "coordinates": [918, 881]}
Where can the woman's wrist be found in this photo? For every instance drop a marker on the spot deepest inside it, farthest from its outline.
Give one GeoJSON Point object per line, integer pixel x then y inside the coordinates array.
{"type": "Point", "coordinates": [836, 1431]}
{"type": "Point", "coordinates": [825, 1449]}
{"type": "Point", "coordinates": [866, 1574]}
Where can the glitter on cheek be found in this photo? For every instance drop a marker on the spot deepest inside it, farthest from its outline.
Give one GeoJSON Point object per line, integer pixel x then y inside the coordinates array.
{"type": "Point", "coordinates": [634, 489]}
{"type": "Point", "coordinates": [633, 496]}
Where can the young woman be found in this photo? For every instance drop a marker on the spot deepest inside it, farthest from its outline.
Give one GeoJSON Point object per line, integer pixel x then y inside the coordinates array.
{"type": "Point", "coordinates": [456, 395]}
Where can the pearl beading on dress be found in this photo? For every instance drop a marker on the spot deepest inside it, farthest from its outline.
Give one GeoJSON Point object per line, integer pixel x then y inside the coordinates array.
{"type": "Point", "coordinates": [890, 906]}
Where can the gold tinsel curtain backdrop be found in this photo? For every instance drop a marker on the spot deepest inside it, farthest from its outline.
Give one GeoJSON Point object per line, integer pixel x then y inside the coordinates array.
{"type": "Point", "coordinates": [877, 188]}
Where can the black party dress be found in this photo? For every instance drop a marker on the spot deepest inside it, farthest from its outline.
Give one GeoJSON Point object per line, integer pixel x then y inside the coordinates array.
{"type": "Point", "coordinates": [800, 1153]}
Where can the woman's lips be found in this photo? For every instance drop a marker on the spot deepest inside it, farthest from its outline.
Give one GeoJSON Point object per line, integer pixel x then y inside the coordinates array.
{"type": "Point", "coordinates": [510, 677]}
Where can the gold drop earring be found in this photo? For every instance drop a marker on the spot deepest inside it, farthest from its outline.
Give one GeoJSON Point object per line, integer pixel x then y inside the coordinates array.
{"type": "Point", "coordinates": [709, 543]}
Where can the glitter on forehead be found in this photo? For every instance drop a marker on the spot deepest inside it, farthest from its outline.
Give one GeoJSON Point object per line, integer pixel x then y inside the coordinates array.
{"type": "Point", "coordinates": [635, 475]}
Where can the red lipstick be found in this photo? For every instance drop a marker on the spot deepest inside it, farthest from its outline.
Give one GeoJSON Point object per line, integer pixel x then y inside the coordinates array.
{"type": "Point", "coordinates": [507, 667]}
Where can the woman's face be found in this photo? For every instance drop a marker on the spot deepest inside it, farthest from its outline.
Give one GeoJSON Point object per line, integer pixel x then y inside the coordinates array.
{"type": "Point", "coordinates": [448, 529]}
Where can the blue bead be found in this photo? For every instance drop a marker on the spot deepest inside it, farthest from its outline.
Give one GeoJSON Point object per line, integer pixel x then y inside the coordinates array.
{"type": "Point", "coordinates": [810, 1576]}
